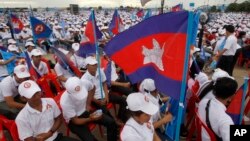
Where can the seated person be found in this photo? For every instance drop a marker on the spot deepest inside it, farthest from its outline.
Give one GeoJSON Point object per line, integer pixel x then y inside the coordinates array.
{"type": "Point", "coordinates": [10, 100]}
{"type": "Point", "coordinates": [40, 118]}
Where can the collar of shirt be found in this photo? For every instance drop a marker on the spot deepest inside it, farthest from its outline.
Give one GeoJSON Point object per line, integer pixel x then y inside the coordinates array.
{"type": "Point", "coordinates": [40, 65]}
{"type": "Point", "coordinates": [96, 74]}
{"type": "Point", "coordinates": [45, 106]}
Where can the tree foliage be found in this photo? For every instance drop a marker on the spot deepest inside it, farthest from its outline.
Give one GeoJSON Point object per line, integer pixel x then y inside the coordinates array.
{"type": "Point", "coordinates": [239, 7]}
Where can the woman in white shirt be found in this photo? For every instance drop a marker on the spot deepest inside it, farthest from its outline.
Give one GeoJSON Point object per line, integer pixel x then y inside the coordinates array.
{"type": "Point", "coordinates": [139, 127]}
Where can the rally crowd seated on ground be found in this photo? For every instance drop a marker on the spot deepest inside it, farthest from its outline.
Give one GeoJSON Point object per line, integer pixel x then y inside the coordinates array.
{"type": "Point", "coordinates": [102, 84]}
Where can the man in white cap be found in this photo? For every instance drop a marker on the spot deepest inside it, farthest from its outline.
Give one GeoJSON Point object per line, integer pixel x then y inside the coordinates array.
{"type": "Point", "coordinates": [10, 99]}
{"type": "Point", "coordinates": [139, 127]}
{"type": "Point", "coordinates": [11, 42]}
{"type": "Point", "coordinates": [40, 118]}
{"type": "Point", "coordinates": [29, 47]}
{"type": "Point", "coordinates": [26, 32]}
{"type": "Point", "coordinates": [102, 96]}
{"type": "Point", "coordinates": [13, 49]}
{"type": "Point", "coordinates": [40, 67]}
{"type": "Point", "coordinates": [75, 103]}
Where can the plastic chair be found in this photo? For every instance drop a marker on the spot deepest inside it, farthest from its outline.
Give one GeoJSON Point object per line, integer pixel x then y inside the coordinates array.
{"type": "Point", "coordinates": [2, 137]}
{"type": "Point", "coordinates": [201, 125]}
{"type": "Point", "coordinates": [10, 125]}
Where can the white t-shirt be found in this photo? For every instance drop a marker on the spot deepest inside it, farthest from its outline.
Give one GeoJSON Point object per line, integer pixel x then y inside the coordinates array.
{"type": "Point", "coordinates": [31, 122]}
{"type": "Point", "coordinates": [220, 121]}
{"type": "Point", "coordinates": [96, 81]}
{"type": "Point", "coordinates": [133, 131]}
{"type": "Point", "coordinates": [42, 69]}
{"type": "Point", "coordinates": [155, 101]}
{"type": "Point", "coordinates": [230, 45]}
{"type": "Point", "coordinates": [3, 69]}
{"type": "Point", "coordinates": [8, 87]}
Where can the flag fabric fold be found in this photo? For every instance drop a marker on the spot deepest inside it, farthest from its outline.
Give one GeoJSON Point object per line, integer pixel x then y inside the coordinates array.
{"type": "Point", "coordinates": [177, 7]}
{"type": "Point", "coordinates": [39, 28]}
{"type": "Point", "coordinates": [16, 23]}
{"type": "Point", "coordinates": [92, 31]}
{"type": "Point", "coordinates": [143, 2]}
{"type": "Point", "coordinates": [156, 53]}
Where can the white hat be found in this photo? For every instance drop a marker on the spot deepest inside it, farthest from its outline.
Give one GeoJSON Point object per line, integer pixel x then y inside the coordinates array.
{"type": "Point", "coordinates": [29, 44]}
{"type": "Point", "coordinates": [91, 60]}
{"type": "Point", "coordinates": [21, 71]}
{"type": "Point", "coordinates": [13, 48]}
{"type": "Point", "coordinates": [218, 73]}
{"type": "Point", "coordinates": [28, 88]}
{"type": "Point", "coordinates": [147, 84]}
{"type": "Point", "coordinates": [11, 41]}
{"type": "Point", "coordinates": [76, 46]}
{"type": "Point", "coordinates": [140, 102]}
{"type": "Point", "coordinates": [201, 78]}
{"type": "Point", "coordinates": [36, 52]}
{"type": "Point", "coordinates": [74, 86]}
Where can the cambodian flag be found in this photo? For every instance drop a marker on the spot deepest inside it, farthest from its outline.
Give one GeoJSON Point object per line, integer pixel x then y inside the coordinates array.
{"type": "Point", "coordinates": [234, 108]}
{"type": "Point", "coordinates": [39, 28]}
{"type": "Point", "coordinates": [157, 52]}
{"type": "Point", "coordinates": [116, 23]}
{"type": "Point", "coordinates": [86, 49]}
{"type": "Point", "coordinates": [92, 31]}
{"type": "Point", "coordinates": [16, 23]}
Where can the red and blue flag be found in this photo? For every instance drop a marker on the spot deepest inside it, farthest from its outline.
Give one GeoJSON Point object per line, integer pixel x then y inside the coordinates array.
{"type": "Point", "coordinates": [115, 23]}
{"type": "Point", "coordinates": [234, 108]}
{"type": "Point", "coordinates": [39, 28]}
{"type": "Point", "coordinates": [157, 52]}
{"type": "Point", "coordinates": [16, 23]}
{"type": "Point", "coordinates": [86, 49]}
{"type": "Point", "coordinates": [92, 31]}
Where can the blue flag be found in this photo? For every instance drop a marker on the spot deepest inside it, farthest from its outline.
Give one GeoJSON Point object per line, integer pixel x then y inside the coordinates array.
{"type": "Point", "coordinates": [148, 14]}
{"type": "Point", "coordinates": [39, 28]}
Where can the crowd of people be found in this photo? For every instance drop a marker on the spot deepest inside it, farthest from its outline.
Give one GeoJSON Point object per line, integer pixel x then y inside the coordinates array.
{"type": "Point", "coordinates": [86, 99]}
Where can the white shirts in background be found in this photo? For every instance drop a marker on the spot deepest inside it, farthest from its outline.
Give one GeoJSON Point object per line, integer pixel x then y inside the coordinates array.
{"type": "Point", "coordinates": [96, 81]}
{"type": "Point", "coordinates": [3, 69]}
{"type": "Point", "coordinates": [220, 121]}
{"type": "Point", "coordinates": [133, 131]}
{"type": "Point", "coordinates": [31, 122]}
{"type": "Point", "coordinates": [8, 87]}
{"type": "Point", "coordinates": [42, 69]}
{"type": "Point", "coordinates": [231, 45]}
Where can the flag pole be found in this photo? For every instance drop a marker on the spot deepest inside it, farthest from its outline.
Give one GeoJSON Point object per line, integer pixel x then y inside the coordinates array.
{"type": "Point", "coordinates": [97, 52]}
{"type": "Point", "coordinates": [243, 98]}
{"type": "Point", "coordinates": [184, 76]}
{"type": "Point", "coordinates": [11, 25]}
{"type": "Point", "coordinates": [162, 6]}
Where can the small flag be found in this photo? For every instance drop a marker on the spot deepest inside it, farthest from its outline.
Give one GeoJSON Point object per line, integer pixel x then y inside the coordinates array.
{"type": "Point", "coordinates": [16, 23]}
{"type": "Point", "coordinates": [39, 28]}
{"type": "Point", "coordinates": [116, 23]}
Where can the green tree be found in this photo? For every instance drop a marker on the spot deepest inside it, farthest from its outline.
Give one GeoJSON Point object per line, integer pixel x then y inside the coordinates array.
{"type": "Point", "coordinates": [213, 9]}
{"type": "Point", "coordinates": [233, 7]}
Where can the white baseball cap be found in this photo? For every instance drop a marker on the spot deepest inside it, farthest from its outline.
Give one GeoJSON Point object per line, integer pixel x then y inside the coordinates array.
{"type": "Point", "coordinates": [75, 46]}
{"type": "Point", "coordinates": [219, 73]}
{"type": "Point", "coordinates": [201, 78]}
{"type": "Point", "coordinates": [11, 41]}
{"type": "Point", "coordinates": [13, 48]}
{"type": "Point", "coordinates": [140, 102]}
{"type": "Point", "coordinates": [36, 52]}
{"type": "Point", "coordinates": [147, 84]}
{"type": "Point", "coordinates": [91, 60]}
{"type": "Point", "coordinates": [29, 44]}
{"type": "Point", "coordinates": [28, 88]}
{"type": "Point", "coordinates": [21, 71]}
{"type": "Point", "coordinates": [74, 86]}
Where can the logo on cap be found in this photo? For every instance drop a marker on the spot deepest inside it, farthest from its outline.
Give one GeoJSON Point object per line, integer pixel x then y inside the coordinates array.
{"type": "Point", "coordinates": [77, 88]}
{"type": "Point", "coordinates": [22, 69]}
{"type": "Point", "coordinates": [27, 85]}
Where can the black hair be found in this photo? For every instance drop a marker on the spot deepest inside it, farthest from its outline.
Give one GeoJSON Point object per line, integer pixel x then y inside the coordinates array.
{"type": "Point", "coordinates": [225, 87]}
{"type": "Point", "coordinates": [196, 67]}
{"type": "Point", "coordinates": [241, 34]}
{"type": "Point", "coordinates": [230, 28]}
{"type": "Point", "coordinates": [206, 90]}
